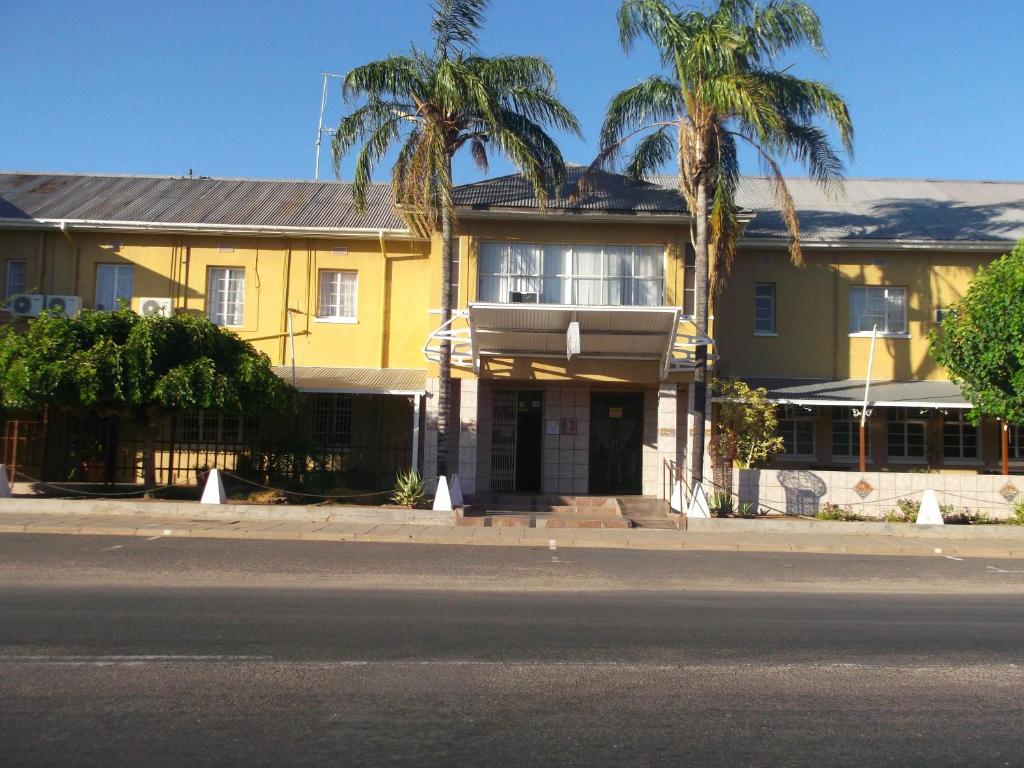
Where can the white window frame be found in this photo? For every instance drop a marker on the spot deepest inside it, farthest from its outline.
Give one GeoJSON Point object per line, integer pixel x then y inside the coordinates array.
{"type": "Point", "coordinates": [955, 425]}
{"type": "Point", "coordinates": [880, 295]}
{"type": "Point", "coordinates": [7, 276]}
{"type": "Point", "coordinates": [219, 307]}
{"type": "Point", "coordinates": [764, 300]}
{"type": "Point", "coordinates": [568, 274]}
{"type": "Point", "coordinates": [907, 419]}
{"type": "Point", "coordinates": [796, 415]}
{"type": "Point", "coordinates": [333, 313]}
{"type": "Point", "coordinates": [119, 282]}
{"type": "Point", "coordinates": [842, 414]}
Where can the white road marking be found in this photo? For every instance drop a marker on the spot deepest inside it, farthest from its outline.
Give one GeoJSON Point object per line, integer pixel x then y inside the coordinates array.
{"type": "Point", "coordinates": [958, 559]}
{"type": "Point", "coordinates": [938, 551]}
{"type": "Point", "coordinates": [552, 545]}
{"type": "Point", "coordinates": [1000, 570]}
{"type": "Point", "coordinates": [127, 659]}
{"type": "Point", "coordinates": [168, 531]}
{"type": "Point", "coordinates": [116, 546]}
{"type": "Point", "coordinates": [154, 538]}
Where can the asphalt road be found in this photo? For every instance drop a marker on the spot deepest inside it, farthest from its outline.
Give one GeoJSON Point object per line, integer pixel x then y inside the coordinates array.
{"type": "Point", "coordinates": [190, 652]}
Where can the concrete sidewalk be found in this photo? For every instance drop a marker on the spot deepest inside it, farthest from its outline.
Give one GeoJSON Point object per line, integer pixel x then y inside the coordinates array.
{"type": "Point", "coordinates": [634, 538]}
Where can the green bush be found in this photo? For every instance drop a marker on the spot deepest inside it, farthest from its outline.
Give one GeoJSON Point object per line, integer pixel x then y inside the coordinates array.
{"type": "Point", "coordinates": [1017, 514]}
{"type": "Point", "coordinates": [722, 504]}
{"type": "Point", "coordinates": [835, 512]}
{"type": "Point", "coordinates": [409, 490]}
{"type": "Point", "coordinates": [950, 516]}
{"type": "Point", "coordinates": [905, 512]}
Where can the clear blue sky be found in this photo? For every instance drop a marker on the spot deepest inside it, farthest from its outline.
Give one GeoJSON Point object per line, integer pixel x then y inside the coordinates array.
{"type": "Point", "coordinates": [232, 88]}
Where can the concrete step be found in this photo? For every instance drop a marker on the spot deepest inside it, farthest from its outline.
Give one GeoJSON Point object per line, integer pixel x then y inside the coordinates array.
{"type": "Point", "coordinates": [647, 512]}
{"type": "Point", "coordinates": [543, 521]}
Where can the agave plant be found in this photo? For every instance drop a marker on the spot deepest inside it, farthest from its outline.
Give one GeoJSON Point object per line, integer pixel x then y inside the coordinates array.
{"type": "Point", "coordinates": [409, 490]}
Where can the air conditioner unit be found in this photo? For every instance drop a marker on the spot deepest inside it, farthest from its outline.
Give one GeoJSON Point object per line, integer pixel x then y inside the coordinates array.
{"type": "Point", "coordinates": [523, 297]}
{"type": "Point", "coordinates": [941, 313]}
{"type": "Point", "coordinates": [160, 307]}
{"type": "Point", "coordinates": [26, 304]}
{"type": "Point", "coordinates": [69, 305]}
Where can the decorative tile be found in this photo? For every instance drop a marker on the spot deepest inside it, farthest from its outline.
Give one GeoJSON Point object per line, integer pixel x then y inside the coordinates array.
{"type": "Point", "coordinates": [1009, 492]}
{"type": "Point", "coordinates": [863, 489]}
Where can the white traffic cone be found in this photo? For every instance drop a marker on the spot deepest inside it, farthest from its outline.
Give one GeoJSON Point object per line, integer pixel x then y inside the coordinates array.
{"type": "Point", "coordinates": [213, 493]}
{"type": "Point", "coordinates": [677, 501]}
{"type": "Point", "coordinates": [5, 483]}
{"type": "Point", "coordinates": [699, 506]}
{"type": "Point", "coordinates": [456, 492]}
{"type": "Point", "coordinates": [929, 513]}
{"type": "Point", "coordinates": [442, 499]}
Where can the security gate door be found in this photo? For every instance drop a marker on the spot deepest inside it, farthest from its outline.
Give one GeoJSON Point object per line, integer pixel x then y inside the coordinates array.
{"type": "Point", "coordinates": [516, 441]}
{"type": "Point", "coordinates": [616, 442]}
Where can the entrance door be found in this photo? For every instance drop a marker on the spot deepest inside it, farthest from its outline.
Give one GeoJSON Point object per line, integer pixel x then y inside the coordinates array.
{"type": "Point", "coordinates": [616, 442]}
{"type": "Point", "coordinates": [516, 441]}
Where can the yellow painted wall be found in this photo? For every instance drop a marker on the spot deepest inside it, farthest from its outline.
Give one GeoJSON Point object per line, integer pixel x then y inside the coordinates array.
{"type": "Point", "coordinates": [812, 312]}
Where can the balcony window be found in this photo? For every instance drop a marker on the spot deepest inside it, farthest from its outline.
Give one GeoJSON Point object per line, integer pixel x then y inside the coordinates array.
{"type": "Point", "coordinates": [16, 269]}
{"type": "Point", "coordinates": [225, 295]}
{"type": "Point", "coordinates": [113, 284]}
{"type": "Point", "coordinates": [872, 306]}
{"type": "Point", "coordinates": [588, 275]}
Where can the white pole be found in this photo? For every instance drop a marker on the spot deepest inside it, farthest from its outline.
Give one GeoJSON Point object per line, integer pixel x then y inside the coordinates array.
{"type": "Point", "coordinates": [867, 383]}
{"type": "Point", "coordinates": [416, 432]}
{"type": "Point", "coordinates": [291, 343]}
{"type": "Point", "coordinates": [320, 126]}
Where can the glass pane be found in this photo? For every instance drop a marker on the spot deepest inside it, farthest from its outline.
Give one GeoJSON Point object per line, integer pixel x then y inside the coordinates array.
{"type": "Point", "coordinates": [648, 261]}
{"type": "Point", "coordinates": [492, 289]}
{"type": "Point", "coordinates": [492, 258]}
{"type": "Point", "coordinates": [588, 260]}
{"type": "Point", "coordinates": [895, 310]}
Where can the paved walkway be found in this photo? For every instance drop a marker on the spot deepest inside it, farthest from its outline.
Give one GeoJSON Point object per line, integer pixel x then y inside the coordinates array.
{"type": "Point", "coordinates": [633, 538]}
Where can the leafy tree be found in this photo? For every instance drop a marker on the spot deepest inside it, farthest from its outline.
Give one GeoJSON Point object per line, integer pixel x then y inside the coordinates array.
{"type": "Point", "coordinates": [137, 368]}
{"type": "Point", "coordinates": [981, 343]}
{"type": "Point", "coordinates": [722, 89]}
{"type": "Point", "coordinates": [748, 425]}
{"type": "Point", "coordinates": [433, 104]}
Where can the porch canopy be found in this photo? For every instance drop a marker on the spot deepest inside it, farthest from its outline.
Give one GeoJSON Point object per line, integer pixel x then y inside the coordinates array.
{"type": "Point", "coordinates": [850, 392]}
{"type": "Point", "coordinates": [356, 381]}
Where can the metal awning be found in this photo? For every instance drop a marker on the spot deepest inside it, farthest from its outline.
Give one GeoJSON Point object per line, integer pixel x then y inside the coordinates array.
{"type": "Point", "coordinates": [657, 334]}
{"type": "Point", "coordinates": [359, 381]}
{"type": "Point", "coordinates": [850, 392]}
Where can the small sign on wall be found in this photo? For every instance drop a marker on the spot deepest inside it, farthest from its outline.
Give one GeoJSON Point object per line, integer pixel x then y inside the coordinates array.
{"type": "Point", "coordinates": [568, 426]}
{"type": "Point", "coordinates": [551, 427]}
{"type": "Point", "coordinates": [614, 413]}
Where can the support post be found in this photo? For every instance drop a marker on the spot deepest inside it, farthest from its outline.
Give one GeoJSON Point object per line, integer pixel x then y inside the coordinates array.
{"type": "Point", "coordinates": [1005, 442]}
{"type": "Point", "coordinates": [416, 399]}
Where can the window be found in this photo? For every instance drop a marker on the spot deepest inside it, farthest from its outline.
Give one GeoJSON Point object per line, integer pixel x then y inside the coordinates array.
{"type": "Point", "coordinates": [846, 434]}
{"type": "Point", "coordinates": [225, 295]}
{"type": "Point", "coordinates": [16, 269]}
{"type": "Point", "coordinates": [906, 434]}
{"type": "Point", "coordinates": [689, 281]}
{"type": "Point", "coordinates": [884, 307]}
{"type": "Point", "coordinates": [1016, 438]}
{"type": "Point", "coordinates": [337, 295]}
{"type": "Point", "coordinates": [764, 308]}
{"type": "Point", "coordinates": [113, 283]}
{"type": "Point", "coordinates": [591, 275]}
{"type": "Point", "coordinates": [959, 437]}
{"type": "Point", "coordinates": [456, 262]}
{"type": "Point", "coordinates": [332, 420]}
{"type": "Point", "coordinates": [214, 427]}
{"type": "Point", "coordinates": [796, 426]}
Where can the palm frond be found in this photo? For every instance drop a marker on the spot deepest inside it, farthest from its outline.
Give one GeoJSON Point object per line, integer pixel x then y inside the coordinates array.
{"type": "Point", "coordinates": [396, 77]}
{"type": "Point", "coordinates": [456, 23]}
{"type": "Point", "coordinates": [650, 154]}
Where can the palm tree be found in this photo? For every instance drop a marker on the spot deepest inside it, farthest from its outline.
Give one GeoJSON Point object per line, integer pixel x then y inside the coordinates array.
{"type": "Point", "coordinates": [722, 89]}
{"type": "Point", "coordinates": [431, 105]}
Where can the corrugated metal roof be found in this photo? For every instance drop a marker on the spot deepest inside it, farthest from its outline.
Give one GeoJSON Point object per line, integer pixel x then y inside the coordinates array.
{"type": "Point", "coordinates": [888, 209]}
{"type": "Point", "coordinates": [318, 378]}
{"type": "Point", "coordinates": [606, 193]}
{"type": "Point", "coordinates": [933, 394]}
{"type": "Point", "coordinates": [168, 200]}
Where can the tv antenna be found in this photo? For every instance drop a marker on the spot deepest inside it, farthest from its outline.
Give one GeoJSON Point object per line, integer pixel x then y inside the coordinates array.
{"type": "Point", "coordinates": [320, 130]}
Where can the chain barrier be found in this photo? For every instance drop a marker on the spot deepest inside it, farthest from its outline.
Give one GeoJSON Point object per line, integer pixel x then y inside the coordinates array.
{"type": "Point", "coordinates": [105, 494]}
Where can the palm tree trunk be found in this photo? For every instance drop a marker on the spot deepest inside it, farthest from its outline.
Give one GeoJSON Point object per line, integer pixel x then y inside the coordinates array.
{"type": "Point", "coordinates": [700, 370]}
{"type": "Point", "coordinates": [444, 365]}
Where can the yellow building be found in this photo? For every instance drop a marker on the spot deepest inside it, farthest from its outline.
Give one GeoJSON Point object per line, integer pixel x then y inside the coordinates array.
{"type": "Point", "coordinates": [572, 345]}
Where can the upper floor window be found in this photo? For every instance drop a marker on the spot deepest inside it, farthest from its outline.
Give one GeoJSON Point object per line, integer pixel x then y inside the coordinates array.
{"type": "Point", "coordinates": [764, 308]}
{"type": "Point", "coordinates": [591, 275]}
{"type": "Point", "coordinates": [906, 434]}
{"type": "Point", "coordinates": [16, 270]}
{"type": "Point", "coordinates": [959, 437]}
{"type": "Point", "coordinates": [872, 306]}
{"type": "Point", "coordinates": [689, 280]}
{"type": "Point", "coordinates": [846, 434]}
{"type": "Point", "coordinates": [796, 426]}
{"type": "Point", "coordinates": [113, 283]}
{"type": "Point", "coordinates": [338, 293]}
{"type": "Point", "coordinates": [225, 295]}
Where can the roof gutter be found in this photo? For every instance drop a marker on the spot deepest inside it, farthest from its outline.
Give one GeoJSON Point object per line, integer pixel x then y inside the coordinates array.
{"type": "Point", "coordinates": [641, 217]}
{"type": "Point", "coordinates": [252, 230]}
{"type": "Point", "coordinates": [868, 244]}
